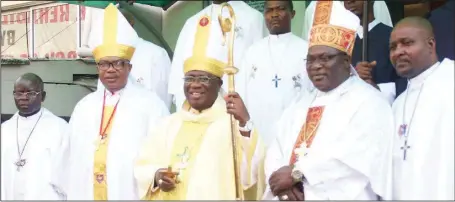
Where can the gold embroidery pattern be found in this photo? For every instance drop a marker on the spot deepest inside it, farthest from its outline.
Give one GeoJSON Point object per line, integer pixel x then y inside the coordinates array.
{"type": "Point", "coordinates": [333, 36]}
{"type": "Point", "coordinates": [322, 12]}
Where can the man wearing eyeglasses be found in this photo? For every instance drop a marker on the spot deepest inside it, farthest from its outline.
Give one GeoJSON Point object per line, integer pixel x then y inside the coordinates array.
{"type": "Point", "coordinates": [189, 155]}
{"type": "Point", "coordinates": [29, 142]}
{"type": "Point", "coordinates": [335, 143]}
{"type": "Point", "coordinates": [108, 125]}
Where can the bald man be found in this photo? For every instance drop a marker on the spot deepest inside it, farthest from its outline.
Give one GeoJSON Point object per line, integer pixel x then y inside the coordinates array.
{"type": "Point", "coordinates": [423, 156]}
{"type": "Point", "coordinates": [29, 141]}
{"type": "Point", "coordinates": [151, 66]}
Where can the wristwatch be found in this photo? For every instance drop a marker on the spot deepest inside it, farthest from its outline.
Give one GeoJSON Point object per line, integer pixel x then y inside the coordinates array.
{"type": "Point", "coordinates": [247, 128]}
{"type": "Point", "coordinates": [297, 176]}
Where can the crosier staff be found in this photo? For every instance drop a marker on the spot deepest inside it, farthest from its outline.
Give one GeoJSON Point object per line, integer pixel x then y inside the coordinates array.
{"type": "Point", "coordinates": [228, 25]}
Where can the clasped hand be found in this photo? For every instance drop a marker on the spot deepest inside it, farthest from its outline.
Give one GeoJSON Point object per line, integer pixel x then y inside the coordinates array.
{"type": "Point", "coordinates": [166, 180]}
{"type": "Point", "coordinates": [282, 184]}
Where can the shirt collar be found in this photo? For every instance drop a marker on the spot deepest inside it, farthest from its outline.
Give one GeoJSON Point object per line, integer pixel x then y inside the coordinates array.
{"type": "Point", "coordinates": [419, 79]}
{"type": "Point", "coordinates": [371, 25]}
{"type": "Point", "coordinates": [32, 117]}
{"type": "Point", "coordinates": [340, 89]}
{"type": "Point", "coordinates": [285, 36]}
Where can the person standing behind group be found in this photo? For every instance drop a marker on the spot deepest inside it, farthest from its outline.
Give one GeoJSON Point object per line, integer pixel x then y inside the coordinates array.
{"type": "Point", "coordinates": [272, 73]}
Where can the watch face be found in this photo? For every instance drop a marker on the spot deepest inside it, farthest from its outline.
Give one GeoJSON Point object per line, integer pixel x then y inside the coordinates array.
{"type": "Point", "coordinates": [297, 175]}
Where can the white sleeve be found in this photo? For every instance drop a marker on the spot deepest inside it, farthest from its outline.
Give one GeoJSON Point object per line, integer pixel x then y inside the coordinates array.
{"type": "Point", "coordinates": [364, 151]}
{"type": "Point", "coordinates": [163, 64]}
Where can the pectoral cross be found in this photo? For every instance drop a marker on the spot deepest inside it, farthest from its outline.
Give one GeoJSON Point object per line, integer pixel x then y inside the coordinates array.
{"type": "Point", "coordinates": [405, 147]}
{"type": "Point", "coordinates": [20, 163]}
{"type": "Point", "coordinates": [276, 79]}
{"type": "Point", "coordinates": [184, 158]}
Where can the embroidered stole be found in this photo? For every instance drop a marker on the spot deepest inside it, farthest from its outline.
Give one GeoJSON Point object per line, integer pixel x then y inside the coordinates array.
{"type": "Point", "coordinates": [99, 168]}
{"type": "Point", "coordinates": [309, 130]}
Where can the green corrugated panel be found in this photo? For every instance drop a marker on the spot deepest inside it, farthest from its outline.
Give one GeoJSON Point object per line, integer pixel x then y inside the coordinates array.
{"type": "Point", "coordinates": [104, 4]}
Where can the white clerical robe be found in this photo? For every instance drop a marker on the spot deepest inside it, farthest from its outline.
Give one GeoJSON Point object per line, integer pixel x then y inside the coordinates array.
{"type": "Point", "coordinates": [350, 156]}
{"type": "Point", "coordinates": [250, 27]}
{"type": "Point", "coordinates": [380, 10]}
{"type": "Point", "coordinates": [427, 173]}
{"type": "Point", "coordinates": [272, 74]}
{"type": "Point", "coordinates": [32, 181]}
{"type": "Point", "coordinates": [137, 113]}
{"type": "Point", "coordinates": [151, 68]}
{"type": "Point", "coordinates": [210, 173]}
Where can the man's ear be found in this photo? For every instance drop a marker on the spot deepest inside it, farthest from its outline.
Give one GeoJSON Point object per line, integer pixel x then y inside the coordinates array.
{"type": "Point", "coordinates": [432, 43]}
{"type": "Point", "coordinates": [43, 96]}
{"type": "Point", "coordinates": [292, 14]}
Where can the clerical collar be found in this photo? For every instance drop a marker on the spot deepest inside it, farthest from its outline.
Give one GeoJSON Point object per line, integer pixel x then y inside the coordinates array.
{"type": "Point", "coordinates": [371, 25]}
{"type": "Point", "coordinates": [340, 89]}
{"type": "Point", "coordinates": [111, 94]}
{"type": "Point", "coordinates": [419, 79]}
{"type": "Point", "coordinates": [280, 36]}
{"type": "Point", "coordinates": [32, 117]}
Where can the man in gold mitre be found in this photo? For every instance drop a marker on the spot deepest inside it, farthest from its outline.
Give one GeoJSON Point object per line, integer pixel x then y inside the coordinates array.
{"type": "Point", "coordinates": [195, 142]}
{"type": "Point", "coordinates": [335, 142]}
{"type": "Point", "coordinates": [107, 126]}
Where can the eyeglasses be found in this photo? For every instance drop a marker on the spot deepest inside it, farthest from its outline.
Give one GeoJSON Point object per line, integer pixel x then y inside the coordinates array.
{"type": "Point", "coordinates": [29, 95]}
{"type": "Point", "coordinates": [321, 59]}
{"type": "Point", "coordinates": [117, 65]}
{"type": "Point", "coordinates": [201, 79]}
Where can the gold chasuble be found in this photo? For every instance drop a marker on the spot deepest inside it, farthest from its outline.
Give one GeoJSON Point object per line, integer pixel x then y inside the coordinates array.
{"type": "Point", "coordinates": [198, 144]}
{"type": "Point", "coordinates": [99, 168]}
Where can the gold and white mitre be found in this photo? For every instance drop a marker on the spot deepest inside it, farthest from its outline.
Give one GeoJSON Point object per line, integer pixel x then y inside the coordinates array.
{"type": "Point", "coordinates": [334, 26]}
{"type": "Point", "coordinates": [114, 35]}
{"type": "Point", "coordinates": [208, 57]}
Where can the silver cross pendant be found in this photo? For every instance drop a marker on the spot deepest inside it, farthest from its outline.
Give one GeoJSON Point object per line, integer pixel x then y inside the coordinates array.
{"type": "Point", "coordinates": [20, 163]}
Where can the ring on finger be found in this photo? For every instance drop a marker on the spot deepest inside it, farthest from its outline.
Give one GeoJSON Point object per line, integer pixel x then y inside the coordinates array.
{"type": "Point", "coordinates": [160, 181]}
{"type": "Point", "coordinates": [284, 197]}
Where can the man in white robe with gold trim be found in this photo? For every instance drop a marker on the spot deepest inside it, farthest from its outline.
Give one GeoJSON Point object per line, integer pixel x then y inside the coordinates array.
{"type": "Point", "coordinates": [423, 157]}
{"type": "Point", "coordinates": [196, 141]}
{"type": "Point", "coordinates": [107, 126]}
{"type": "Point", "coordinates": [334, 143]}
{"type": "Point", "coordinates": [249, 28]}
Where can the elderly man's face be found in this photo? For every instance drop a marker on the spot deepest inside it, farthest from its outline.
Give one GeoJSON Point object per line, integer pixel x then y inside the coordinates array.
{"type": "Point", "coordinates": [113, 72]}
{"type": "Point", "coordinates": [327, 67]}
{"type": "Point", "coordinates": [410, 50]}
{"type": "Point", "coordinates": [201, 89]}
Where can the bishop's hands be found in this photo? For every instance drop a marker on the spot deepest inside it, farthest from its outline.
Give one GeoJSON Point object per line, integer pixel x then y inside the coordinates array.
{"type": "Point", "coordinates": [282, 185]}
{"type": "Point", "coordinates": [236, 107]}
{"type": "Point", "coordinates": [364, 69]}
{"type": "Point", "coordinates": [166, 180]}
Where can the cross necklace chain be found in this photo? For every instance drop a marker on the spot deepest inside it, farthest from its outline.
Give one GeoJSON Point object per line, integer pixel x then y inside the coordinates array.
{"type": "Point", "coordinates": [21, 162]}
{"type": "Point", "coordinates": [276, 79]}
{"type": "Point", "coordinates": [404, 128]}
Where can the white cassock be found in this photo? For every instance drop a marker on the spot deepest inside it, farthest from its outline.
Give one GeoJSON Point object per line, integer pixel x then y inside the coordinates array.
{"type": "Point", "coordinates": [272, 74]}
{"type": "Point", "coordinates": [32, 181]}
{"type": "Point", "coordinates": [250, 27]}
{"type": "Point", "coordinates": [380, 10]}
{"type": "Point", "coordinates": [151, 68]}
{"type": "Point", "coordinates": [350, 157]}
{"type": "Point", "coordinates": [427, 173]}
{"type": "Point", "coordinates": [137, 112]}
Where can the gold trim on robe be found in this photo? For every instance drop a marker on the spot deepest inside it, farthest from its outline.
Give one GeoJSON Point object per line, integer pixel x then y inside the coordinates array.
{"type": "Point", "coordinates": [100, 160]}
